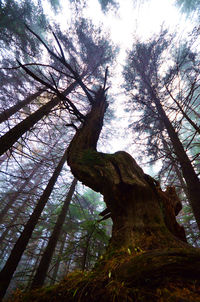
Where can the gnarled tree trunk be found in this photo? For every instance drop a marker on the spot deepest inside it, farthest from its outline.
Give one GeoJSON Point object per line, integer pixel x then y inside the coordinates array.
{"type": "Point", "coordinates": [133, 200]}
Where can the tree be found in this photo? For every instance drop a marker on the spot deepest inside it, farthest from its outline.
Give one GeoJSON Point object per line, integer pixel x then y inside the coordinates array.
{"type": "Point", "coordinates": [13, 198]}
{"type": "Point", "coordinates": [146, 239]}
{"type": "Point", "coordinates": [13, 15]}
{"type": "Point", "coordinates": [95, 52]}
{"type": "Point", "coordinates": [143, 65]}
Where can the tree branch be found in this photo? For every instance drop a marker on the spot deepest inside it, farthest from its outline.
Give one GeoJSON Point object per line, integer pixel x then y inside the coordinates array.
{"type": "Point", "coordinates": [78, 114]}
{"type": "Point", "coordinates": [63, 61]}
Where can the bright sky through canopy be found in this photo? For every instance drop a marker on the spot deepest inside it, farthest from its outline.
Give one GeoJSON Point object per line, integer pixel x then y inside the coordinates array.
{"type": "Point", "coordinates": [144, 19]}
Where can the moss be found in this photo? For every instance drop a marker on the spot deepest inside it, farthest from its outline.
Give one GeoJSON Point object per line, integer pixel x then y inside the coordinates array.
{"type": "Point", "coordinates": [90, 157]}
{"type": "Point", "coordinates": [114, 279]}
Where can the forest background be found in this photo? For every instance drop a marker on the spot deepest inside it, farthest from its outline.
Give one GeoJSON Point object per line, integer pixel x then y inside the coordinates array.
{"type": "Point", "coordinates": [37, 126]}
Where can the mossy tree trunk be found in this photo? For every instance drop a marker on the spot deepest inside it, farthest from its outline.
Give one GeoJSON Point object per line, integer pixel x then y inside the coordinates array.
{"type": "Point", "coordinates": [133, 200]}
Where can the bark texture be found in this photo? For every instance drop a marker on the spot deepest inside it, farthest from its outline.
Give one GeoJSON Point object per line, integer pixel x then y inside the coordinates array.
{"type": "Point", "coordinates": [132, 198]}
{"type": "Point", "coordinates": [144, 224]}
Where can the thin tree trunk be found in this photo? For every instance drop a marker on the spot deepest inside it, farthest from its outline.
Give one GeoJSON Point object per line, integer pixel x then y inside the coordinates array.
{"type": "Point", "coordinates": [37, 260]}
{"type": "Point", "coordinates": [8, 139]}
{"type": "Point", "coordinates": [57, 264]}
{"type": "Point", "coordinates": [17, 252]}
{"type": "Point", "coordinates": [20, 190]}
{"type": "Point", "coordinates": [85, 252]}
{"type": "Point", "coordinates": [6, 114]}
{"type": "Point", "coordinates": [49, 250]}
{"type": "Point", "coordinates": [189, 174]}
{"type": "Point", "coordinates": [177, 169]}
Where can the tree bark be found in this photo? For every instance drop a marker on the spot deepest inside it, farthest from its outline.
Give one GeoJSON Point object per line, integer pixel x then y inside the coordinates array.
{"type": "Point", "coordinates": [43, 267]}
{"type": "Point", "coordinates": [131, 197]}
{"type": "Point", "coordinates": [8, 139]}
{"type": "Point", "coordinates": [6, 114]}
{"type": "Point", "coordinates": [17, 251]}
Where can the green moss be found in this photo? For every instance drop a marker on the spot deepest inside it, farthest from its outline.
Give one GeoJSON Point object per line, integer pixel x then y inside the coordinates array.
{"type": "Point", "coordinates": [114, 280]}
{"type": "Point", "coordinates": [90, 157]}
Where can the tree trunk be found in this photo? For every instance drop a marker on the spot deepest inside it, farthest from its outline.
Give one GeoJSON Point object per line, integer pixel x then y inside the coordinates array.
{"type": "Point", "coordinates": [8, 139]}
{"type": "Point", "coordinates": [189, 174]}
{"type": "Point", "coordinates": [45, 261]}
{"type": "Point", "coordinates": [19, 191]}
{"type": "Point", "coordinates": [85, 251]}
{"type": "Point", "coordinates": [6, 114]}
{"type": "Point", "coordinates": [38, 256]}
{"type": "Point", "coordinates": [119, 178]}
{"type": "Point", "coordinates": [185, 115]}
{"type": "Point", "coordinates": [57, 264]}
{"type": "Point", "coordinates": [16, 253]}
